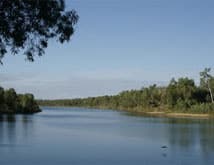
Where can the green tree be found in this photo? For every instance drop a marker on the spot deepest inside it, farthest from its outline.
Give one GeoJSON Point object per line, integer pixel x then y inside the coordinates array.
{"type": "Point", "coordinates": [186, 88]}
{"type": "Point", "coordinates": [171, 93]}
{"type": "Point", "coordinates": [11, 99]}
{"type": "Point", "coordinates": [181, 92]}
{"type": "Point", "coordinates": [28, 104]}
{"type": "Point", "coordinates": [1, 95]}
{"type": "Point", "coordinates": [207, 80]}
{"type": "Point", "coordinates": [10, 102]}
{"type": "Point", "coordinates": [2, 101]}
{"type": "Point", "coordinates": [27, 25]}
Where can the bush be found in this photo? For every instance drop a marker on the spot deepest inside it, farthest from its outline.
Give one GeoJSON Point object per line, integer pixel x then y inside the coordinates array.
{"type": "Point", "coordinates": [203, 108]}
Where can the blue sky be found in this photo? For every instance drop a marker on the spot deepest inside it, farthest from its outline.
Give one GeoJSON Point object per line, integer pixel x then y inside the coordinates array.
{"type": "Point", "coordinates": [119, 45]}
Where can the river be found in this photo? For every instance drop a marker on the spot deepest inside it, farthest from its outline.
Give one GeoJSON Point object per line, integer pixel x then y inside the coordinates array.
{"type": "Point", "coordinates": [78, 136]}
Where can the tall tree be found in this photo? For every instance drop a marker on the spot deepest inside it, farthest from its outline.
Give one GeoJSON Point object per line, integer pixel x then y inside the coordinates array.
{"type": "Point", "coordinates": [27, 25]}
{"type": "Point", "coordinates": [206, 78]}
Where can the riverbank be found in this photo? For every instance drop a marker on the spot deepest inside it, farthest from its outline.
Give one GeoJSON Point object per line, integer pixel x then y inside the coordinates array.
{"type": "Point", "coordinates": [151, 112]}
{"type": "Point", "coordinates": [176, 115]}
{"type": "Point", "coordinates": [169, 113]}
{"type": "Point", "coordinates": [163, 112]}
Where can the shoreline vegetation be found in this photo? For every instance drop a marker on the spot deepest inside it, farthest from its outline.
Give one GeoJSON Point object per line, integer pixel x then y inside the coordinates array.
{"type": "Point", "coordinates": [180, 98]}
{"type": "Point", "coordinates": [150, 113]}
{"type": "Point", "coordinates": [13, 103]}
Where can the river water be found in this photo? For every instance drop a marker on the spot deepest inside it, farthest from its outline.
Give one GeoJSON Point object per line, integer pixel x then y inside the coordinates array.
{"type": "Point", "coordinates": [78, 136]}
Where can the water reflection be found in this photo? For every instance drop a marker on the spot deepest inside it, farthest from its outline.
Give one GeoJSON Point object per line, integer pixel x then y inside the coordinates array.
{"type": "Point", "coordinates": [187, 134]}
{"type": "Point", "coordinates": [13, 128]}
{"type": "Point", "coordinates": [183, 134]}
{"type": "Point", "coordinates": [104, 137]}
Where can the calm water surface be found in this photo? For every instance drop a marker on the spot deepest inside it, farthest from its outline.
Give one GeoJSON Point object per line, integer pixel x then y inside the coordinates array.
{"type": "Point", "coordinates": [74, 136]}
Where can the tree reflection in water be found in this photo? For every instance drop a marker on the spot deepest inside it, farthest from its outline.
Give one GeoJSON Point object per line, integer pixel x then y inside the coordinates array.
{"type": "Point", "coordinates": [186, 134]}
{"type": "Point", "coordinates": [181, 134]}
{"type": "Point", "coordinates": [14, 128]}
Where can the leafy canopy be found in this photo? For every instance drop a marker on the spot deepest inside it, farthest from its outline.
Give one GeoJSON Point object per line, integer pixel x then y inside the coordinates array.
{"type": "Point", "coordinates": [27, 25]}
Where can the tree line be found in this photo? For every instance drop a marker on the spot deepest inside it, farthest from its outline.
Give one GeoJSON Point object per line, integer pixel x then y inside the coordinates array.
{"type": "Point", "coordinates": [181, 95]}
{"type": "Point", "coordinates": [12, 103]}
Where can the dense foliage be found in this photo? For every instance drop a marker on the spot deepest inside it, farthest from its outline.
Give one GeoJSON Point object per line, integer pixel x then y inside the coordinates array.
{"type": "Point", "coordinates": [181, 95]}
{"type": "Point", "coordinates": [27, 25]}
{"type": "Point", "coordinates": [11, 102]}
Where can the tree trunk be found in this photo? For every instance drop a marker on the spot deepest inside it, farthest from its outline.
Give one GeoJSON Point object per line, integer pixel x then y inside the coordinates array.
{"type": "Point", "coordinates": [210, 90]}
